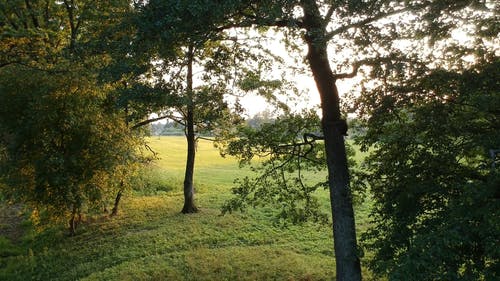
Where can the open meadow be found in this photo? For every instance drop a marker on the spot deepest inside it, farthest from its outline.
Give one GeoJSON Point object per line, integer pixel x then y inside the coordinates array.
{"type": "Point", "coordinates": [151, 240]}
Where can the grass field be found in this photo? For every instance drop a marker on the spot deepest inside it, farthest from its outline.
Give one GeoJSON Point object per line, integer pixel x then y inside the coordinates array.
{"type": "Point", "coordinates": [151, 240]}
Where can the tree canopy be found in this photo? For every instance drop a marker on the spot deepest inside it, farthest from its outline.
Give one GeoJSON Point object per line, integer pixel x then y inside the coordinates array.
{"type": "Point", "coordinates": [432, 175]}
{"type": "Point", "coordinates": [67, 149]}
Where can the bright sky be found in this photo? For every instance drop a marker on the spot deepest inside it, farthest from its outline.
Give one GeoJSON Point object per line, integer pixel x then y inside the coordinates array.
{"type": "Point", "coordinates": [310, 98]}
{"type": "Point", "coordinates": [304, 82]}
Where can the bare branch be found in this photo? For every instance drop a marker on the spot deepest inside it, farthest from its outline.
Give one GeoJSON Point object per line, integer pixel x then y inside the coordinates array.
{"type": "Point", "coordinates": [155, 154]}
{"type": "Point", "coordinates": [203, 138]}
{"type": "Point", "coordinates": [178, 120]}
{"type": "Point", "coordinates": [145, 122]}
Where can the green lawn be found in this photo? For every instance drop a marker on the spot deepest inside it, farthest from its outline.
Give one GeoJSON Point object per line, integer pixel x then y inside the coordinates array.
{"type": "Point", "coordinates": [151, 240]}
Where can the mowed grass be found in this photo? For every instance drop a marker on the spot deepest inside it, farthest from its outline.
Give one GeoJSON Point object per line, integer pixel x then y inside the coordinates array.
{"type": "Point", "coordinates": [210, 168]}
{"type": "Point", "coordinates": [151, 240]}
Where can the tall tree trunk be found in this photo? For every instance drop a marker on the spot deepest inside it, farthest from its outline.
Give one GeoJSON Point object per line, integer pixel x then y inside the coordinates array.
{"type": "Point", "coordinates": [189, 206]}
{"type": "Point", "coordinates": [347, 261]}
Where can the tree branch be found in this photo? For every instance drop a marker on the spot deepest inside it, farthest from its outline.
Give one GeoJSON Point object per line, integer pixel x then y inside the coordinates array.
{"type": "Point", "coordinates": [204, 138]}
{"type": "Point", "coordinates": [261, 21]}
{"type": "Point", "coordinates": [353, 73]}
{"type": "Point", "coordinates": [372, 61]}
{"type": "Point", "coordinates": [32, 14]}
{"type": "Point", "coordinates": [8, 63]}
{"type": "Point", "coordinates": [329, 14]}
{"type": "Point", "coordinates": [145, 122]}
{"type": "Point", "coordinates": [375, 18]}
{"type": "Point", "coordinates": [3, 64]}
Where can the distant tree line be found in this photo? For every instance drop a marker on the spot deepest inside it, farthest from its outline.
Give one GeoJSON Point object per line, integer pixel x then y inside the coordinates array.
{"type": "Point", "coordinates": [166, 129]}
{"type": "Point", "coordinates": [170, 128]}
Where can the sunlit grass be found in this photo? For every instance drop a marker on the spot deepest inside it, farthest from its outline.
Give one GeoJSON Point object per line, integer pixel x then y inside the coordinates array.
{"type": "Point", "coordinates": [151, 240]}
{"type": "Point", "coordinates": [210, 168]}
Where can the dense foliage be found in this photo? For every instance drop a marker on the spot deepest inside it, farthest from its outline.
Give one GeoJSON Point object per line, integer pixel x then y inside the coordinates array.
{"type": "Point", "coordinates": [67, 149]}
{"type": "Point", "coordinates": [433, 179]}
{"type": "Point", "coordinates": [65, 152]}
{"type": "Point", "coordinates": [430, 111]}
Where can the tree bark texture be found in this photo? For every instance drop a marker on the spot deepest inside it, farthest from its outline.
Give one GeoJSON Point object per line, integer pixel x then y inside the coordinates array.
{"type": "Point", "coordinates": [73, 222]}
{"type": "Point", "coordinates": [72, 226]}
{"type": "Point", "coordinates": [189, 206]}
{"type": "Point", "coordinates": [118, 197]}
{"type": "Point", "coordinates": [346, 257]}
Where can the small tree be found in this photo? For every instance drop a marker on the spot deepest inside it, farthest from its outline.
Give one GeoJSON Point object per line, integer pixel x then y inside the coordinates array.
{"type": "Point", "coordinates": [195, 70]}
{"type": "Point", "coordinates": [64, 153]}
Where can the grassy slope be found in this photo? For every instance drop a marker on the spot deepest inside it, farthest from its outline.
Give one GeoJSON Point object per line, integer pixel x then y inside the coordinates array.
{"type": "Point", "coordinates": [150, 240]}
